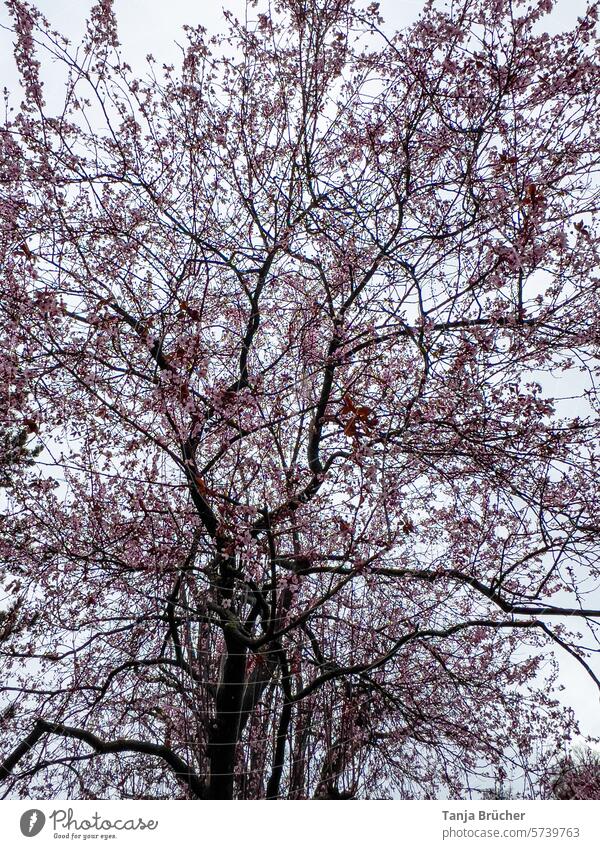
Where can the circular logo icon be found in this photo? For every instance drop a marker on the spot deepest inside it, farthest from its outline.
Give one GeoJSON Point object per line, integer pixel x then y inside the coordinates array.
{"type": "Point", "coordinates": [32, 822]}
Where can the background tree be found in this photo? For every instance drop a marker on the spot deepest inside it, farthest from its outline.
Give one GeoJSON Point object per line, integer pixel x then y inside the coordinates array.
{"type": "Point", "coordinates": [309, 330]}
{"type": "Point", "coordinates": [577, 776]}
{"type": "Point", "coordinates": [17, 452]}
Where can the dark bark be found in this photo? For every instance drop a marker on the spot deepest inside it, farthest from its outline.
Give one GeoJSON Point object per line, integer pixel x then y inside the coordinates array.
{"type": "Point", "coordinates": [225, 729]}
{"type": "Point", "coordinates": [278, 760]}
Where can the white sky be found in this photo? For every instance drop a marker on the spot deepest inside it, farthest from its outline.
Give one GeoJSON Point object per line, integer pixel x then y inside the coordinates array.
{"type": "Point", "coordinates": [154, 26]}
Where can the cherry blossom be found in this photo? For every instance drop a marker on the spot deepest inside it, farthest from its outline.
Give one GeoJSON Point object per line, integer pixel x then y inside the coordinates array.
{"type": "Point", "coordinates": [303, 340]}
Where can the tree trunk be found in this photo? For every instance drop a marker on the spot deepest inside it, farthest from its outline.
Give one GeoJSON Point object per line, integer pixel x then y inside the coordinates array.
{"type": "Point", "coordinates": [226, 726]}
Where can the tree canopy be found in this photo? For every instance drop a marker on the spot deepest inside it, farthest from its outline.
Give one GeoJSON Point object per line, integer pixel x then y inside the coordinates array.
{"type": "Point", "coordinates": [307, 329]}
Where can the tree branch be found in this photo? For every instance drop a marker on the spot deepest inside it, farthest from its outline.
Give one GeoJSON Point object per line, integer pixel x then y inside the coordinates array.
{"type": "Point", "coordinates": [181, 769]}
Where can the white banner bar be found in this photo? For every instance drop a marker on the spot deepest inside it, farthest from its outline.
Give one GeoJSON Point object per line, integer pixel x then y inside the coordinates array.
{"type": "Point", "coordinates": [300, 825]}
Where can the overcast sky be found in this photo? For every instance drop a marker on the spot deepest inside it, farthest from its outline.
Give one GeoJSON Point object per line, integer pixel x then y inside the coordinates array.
{"type": "Point", "coordinates": [155, 26]}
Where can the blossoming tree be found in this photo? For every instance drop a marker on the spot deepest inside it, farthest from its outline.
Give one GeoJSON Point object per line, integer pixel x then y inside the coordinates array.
{"type": "Point", "coordinates": [308, 333]}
